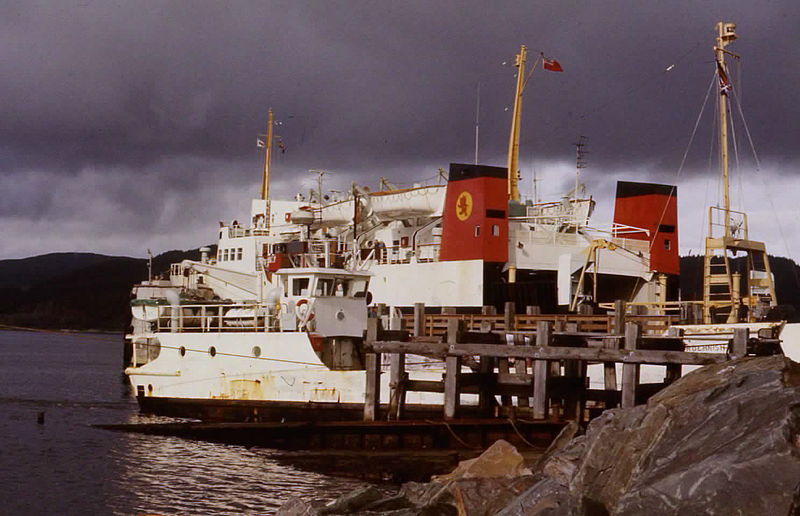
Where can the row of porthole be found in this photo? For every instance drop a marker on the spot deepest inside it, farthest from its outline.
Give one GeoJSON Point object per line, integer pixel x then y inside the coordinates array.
{"type": "Point", "coordinates": [213, 351]}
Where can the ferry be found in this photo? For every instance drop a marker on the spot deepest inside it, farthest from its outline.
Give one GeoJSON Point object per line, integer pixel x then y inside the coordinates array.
{"type": "Point", "coordinates": [271, 326]}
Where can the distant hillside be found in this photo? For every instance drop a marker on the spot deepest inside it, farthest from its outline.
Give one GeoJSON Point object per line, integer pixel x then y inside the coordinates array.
{"type": "Point", "coordinates": [75, 290]}
{"type": "Point", "coordinates": [82, 291]}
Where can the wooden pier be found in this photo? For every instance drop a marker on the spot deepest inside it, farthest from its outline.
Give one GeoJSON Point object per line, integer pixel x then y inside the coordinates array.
{"type": "Point", "coordinates": [534, 366]}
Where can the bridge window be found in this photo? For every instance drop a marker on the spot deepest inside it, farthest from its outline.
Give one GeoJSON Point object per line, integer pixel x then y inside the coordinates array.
{"type": "Point", "coordinates": [300, 286]}
{"type": "Point", "coordinates": [239, 254]}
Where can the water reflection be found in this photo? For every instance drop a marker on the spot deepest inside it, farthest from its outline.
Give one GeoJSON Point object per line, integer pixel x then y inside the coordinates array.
{"type": "Point", "coordinates": [66, 466]}
{"type": "Point", "coordinates": [171, 475]}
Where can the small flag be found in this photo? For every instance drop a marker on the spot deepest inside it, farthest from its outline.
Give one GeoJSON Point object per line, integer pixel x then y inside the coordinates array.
{"type": "Point", "coordinates": [260, 143]}
{"type": "Point", "coordinates": [551, 65]}
{"type": "Point", "coordinates": [724, 82]}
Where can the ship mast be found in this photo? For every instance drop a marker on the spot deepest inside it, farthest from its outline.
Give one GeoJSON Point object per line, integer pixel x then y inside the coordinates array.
{"type": "Point", "coordinates": [267, 159]}
{"type": "Point", "coordinates": [726, 34]}
{"type": "Point", "coordinates": [724, 300]}
{"type": "Point", "coordinates": [513, 141]}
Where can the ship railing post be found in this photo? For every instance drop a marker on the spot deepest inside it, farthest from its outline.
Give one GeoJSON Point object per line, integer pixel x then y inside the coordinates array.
{"type": "Point", "coordinates": [633, 333]}
{"type": "Point", "coordinates": [540, 372]}
{"type": "Point", "coordinates": [372, 390]}
{"type": "Point", "coordinates": [452, 376]}
{"type": "Point", "coordinates": [738, 348]}
{"type": "Point", "coordinates": [203, 321]}
{"type": "Point", "coordinates": [397, 377]}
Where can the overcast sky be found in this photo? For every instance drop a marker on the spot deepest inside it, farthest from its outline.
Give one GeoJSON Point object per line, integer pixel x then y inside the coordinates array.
{"type": "Point", "coordinates": [131, 125]}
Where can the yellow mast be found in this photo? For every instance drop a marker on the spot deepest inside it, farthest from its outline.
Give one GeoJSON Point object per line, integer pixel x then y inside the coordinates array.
{"type": "Point", "coordinates": [723, 300]}
{"type": "Point", "coordinates": [267, 159]}
{"type": "Point", "coordinates": [513, 141]}
{"type": "Point", "coordinates": [726, 34]}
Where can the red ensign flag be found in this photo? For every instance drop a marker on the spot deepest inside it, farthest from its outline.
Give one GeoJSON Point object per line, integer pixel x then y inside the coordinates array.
{"type": "Point", "coordinates": [551, 65]}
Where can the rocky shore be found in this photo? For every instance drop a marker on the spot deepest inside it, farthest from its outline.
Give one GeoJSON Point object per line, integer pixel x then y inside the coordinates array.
{"type": "Point", "coordinates": [724, 439]}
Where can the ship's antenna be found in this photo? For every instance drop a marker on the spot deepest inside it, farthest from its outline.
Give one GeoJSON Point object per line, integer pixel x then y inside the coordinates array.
{"type": "Point", "coordinates": [580, 161]}
{"type": "Point", "coordinates": [319, 173]}
{"type": "Point", "coordinates": [149, 265]}
{"type": "Point", "coordinates": [477, 120]}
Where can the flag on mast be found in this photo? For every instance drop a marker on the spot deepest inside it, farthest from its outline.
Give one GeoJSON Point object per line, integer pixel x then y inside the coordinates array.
{"type": "Point", "coordinates": [551, 65]}
{"type": "Point", "coordinates": [724, 83]}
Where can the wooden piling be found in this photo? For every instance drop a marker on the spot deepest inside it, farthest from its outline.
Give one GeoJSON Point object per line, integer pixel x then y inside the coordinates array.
{"type": "Point", "coordinates": [502, 363]}
{"type": "Point", "coordinates": [633, 333]}
{"type": "Point", "coordinates": [739, 343]}
{"type": "Point", "coordinates": [540, 370]}
{"type": "Point", "coordinates": [674, 371]}
{"type": "Point", "coordinates": [610, 368]}
{"type": "Point", "coordinates": [419, 319]}
{"type": "Point", "coordinates": [485, 395]}
{"type": "Point", "coordinates": [452, 374]}
{"type": "Point", "coordinates": [372, 393]}
{"type": "Point", "coordinates": [397, 377]}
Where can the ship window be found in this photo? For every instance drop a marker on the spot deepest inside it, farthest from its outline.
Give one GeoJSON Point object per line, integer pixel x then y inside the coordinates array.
{"type": "Point", "coordinates": [239, 254]}
{"type": "Point", "coordinates": [341, 287]}
{"type": "Point", "coordinates": [225, 255]}
{"type": "Point", "coordinates": [324, 287]}
{"type": "Point", "coordinates": [300, 286]}
{"type": "Point", "coordinates": [495, 230]}
{"type": "Point", "coordinates": [666, 244]}
{"type": "Point", "coordinates": [359, 288]}
{"type": "Point", "coordinates": [478, 230]}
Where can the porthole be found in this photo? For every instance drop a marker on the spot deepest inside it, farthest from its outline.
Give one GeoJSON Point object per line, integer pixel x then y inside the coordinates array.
{"type": "Point", "coordinates": [150, 388]}
{"type": "Point", "coordinates": [182, 351]}
{"type": "Point", "coordinates": [256, 351]}
{"type": "Point", "coordinates": [212, 351]}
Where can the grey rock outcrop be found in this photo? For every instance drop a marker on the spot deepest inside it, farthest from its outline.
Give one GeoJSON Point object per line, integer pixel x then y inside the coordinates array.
{"type": "Point", "coordinates": [724, 439]}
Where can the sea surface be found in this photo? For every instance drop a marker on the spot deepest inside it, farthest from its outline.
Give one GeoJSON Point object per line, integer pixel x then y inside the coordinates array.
{"type": "Point", "coordinates": [65, 466]}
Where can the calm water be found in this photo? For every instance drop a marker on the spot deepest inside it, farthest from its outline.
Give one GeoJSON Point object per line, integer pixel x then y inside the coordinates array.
{"type": "Point", "coordinates": [67, 467]}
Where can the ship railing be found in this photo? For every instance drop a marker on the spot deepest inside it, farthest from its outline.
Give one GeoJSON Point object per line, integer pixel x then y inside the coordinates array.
{"type": "Point", "coordinates": [435, 325]}
{"type": "Point", "coordinates": [214, 318]}
{"type": "Point", "coordinates": [736, 223]}
{"type": "Point", "coordinates": [397, 254]}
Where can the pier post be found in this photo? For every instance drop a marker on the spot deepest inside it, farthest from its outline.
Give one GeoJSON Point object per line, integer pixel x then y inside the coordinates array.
{"type": "Point", "coordinates": [739, 344]}
{"type": "Point", "coordinates": [372, 391]}
{"type": "Point", "coordinates": [540, 372]}
{"type": "Point", "coordinates": [485, 396]}
{"type": "Point", "coordinates": [674, 371]}
{"type": "Point", "coordinates": [618, 328]}
{"type": "Point", "coordinates": [520, 365]}
{"type": "Point", "coordinates": [633, 333]}
{"type": "Point", "coordinates": [419, 319]}
{"type": "Point", "coordinates": [452, 377]}
{"type": "Point", "coordinates": [573, 371]}
{"type": "Point", "coordinates": [397, 377]}
{"type": "Point", "coordinates": [502, 363]}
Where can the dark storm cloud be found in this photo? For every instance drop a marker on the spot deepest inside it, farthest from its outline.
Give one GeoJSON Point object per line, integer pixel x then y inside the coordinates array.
{"type": "Point", "coordinates": [163, 101]}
